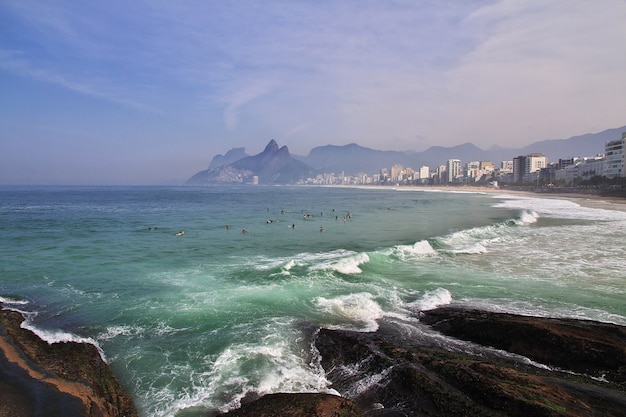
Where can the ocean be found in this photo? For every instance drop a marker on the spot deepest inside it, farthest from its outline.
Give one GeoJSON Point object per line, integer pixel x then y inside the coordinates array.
{"type": "Point", "coordinates": [194, 323]}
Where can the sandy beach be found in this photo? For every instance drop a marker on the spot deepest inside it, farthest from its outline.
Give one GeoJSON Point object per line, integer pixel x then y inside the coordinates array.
{"type": "Point", "coordinates": [591, 200]}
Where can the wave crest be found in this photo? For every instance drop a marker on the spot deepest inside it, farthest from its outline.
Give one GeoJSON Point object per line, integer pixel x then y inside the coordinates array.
{"type": "Point", "coordinates": [345, 264]}
{"type": "Point", "coordinates": [432, 299]}
{"type": "Point", "coordinates": [360, 311]}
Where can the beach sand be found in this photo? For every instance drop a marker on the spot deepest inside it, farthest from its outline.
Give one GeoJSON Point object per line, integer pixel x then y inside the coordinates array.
{"type": "Point", "coordinates": [590, 200]}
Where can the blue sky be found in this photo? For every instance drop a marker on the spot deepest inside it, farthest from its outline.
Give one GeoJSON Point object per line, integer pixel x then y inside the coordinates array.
{"type": "Point", "coordinates": [147, 92]}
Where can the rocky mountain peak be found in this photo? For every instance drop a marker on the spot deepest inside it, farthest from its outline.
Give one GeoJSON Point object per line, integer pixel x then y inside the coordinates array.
{"type": "Point", "coordinates": [271, 147]}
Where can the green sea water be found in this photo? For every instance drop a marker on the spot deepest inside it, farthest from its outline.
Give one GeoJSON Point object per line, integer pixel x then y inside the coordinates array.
{"type": "Point", "coordinates": [192, 324]}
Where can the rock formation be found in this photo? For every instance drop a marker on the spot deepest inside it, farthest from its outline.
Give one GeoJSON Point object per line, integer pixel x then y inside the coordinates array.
{"type": "Point", "coordinates": [386, 373]}
{"type": "Point", "coordinates": [61, 379]}
{"type": "Point", "coordinates": [272, 166]}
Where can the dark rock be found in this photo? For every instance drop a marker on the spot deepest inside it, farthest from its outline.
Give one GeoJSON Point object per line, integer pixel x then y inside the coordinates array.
{"type": "Point", "coordinates": [60, 379]}
{"type": "Point", "coordinates": [592, 348]}
{"type": "Point", "coordinates": [388, 375]}
{"type": "Point", "coordinates": [298, 405]}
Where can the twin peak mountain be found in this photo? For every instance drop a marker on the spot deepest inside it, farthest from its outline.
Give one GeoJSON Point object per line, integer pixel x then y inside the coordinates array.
{"type": "Point", "coordinates": [272, 166]}
{"type": "Point", "coordinates": [277, 166]}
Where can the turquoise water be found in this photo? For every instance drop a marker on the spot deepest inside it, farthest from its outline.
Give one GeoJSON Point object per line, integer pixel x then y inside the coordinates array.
{"type": "Point", "coordinates": [192, 324]}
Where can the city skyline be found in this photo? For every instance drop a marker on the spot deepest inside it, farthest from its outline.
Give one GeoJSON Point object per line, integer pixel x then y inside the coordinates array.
{"type": "Point", "coordinates": [144, 92]}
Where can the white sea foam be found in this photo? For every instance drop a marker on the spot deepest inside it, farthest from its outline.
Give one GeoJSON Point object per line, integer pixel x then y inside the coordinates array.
{"type": "Point", "coordinates": [419, 249]}
{"type": "Point", "coordinates": [431, 300]}
{"type": "Point", "coordinates": [114, 331]}
{"type": "Point", "coordinates": [290, 264]}
{"type": "Point", "coordinates": [367, 382]}
{"type": "Point", "coordinates": [12, 301]}
{"type": "Point", "coordinates": [56, 336]}
{"type": "Point", "coordinates": [59, 336]}
{"type": "Point", "coordinates": [525, 308]}
{"type": "Point", "coordinates": [564, 209]}
{"type": "Point", "coordinates": [471, 241]}
{"type": "Point", "coordinates": [346, 263]}
{"type": "Point", "coordinates": [528, 217]}
{"type": "Point", "coordinates": [354, 311]}
{"type": "Point", "coordinates": [423, 247]}
{"type": "Point", "coordinates": [274, 363]}
{"type": "Point", "coordinates": [161, 329]}
{"type": "Point", "coordinates": [272, 366]}
{"type": "Point", "coordinates": [286, 267]}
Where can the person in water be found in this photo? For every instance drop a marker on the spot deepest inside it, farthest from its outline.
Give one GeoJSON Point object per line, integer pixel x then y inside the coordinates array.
{"type": "Point", "coordinates": [244, 232]}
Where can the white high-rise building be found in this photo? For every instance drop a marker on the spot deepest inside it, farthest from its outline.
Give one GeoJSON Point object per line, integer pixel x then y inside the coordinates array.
{"type": "Point", "coordinates": [614, 163]}
{"type": "Point", "coordinates": [453, 169]}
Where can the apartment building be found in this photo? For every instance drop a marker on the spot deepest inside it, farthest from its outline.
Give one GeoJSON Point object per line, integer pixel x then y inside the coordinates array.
{"type": "Point", "coordinates": [614, 153]}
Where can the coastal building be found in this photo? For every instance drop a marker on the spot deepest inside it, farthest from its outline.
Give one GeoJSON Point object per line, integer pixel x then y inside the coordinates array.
{"type": "Point", "coordinates": [486, 166]}
{"type": "Point", "coordinates": [614, 151]}
{"type": "Point", "coordinates": [453, 169]}
{"type": "Point", "coordinates": [567, 162]}
{"type": "Point", "coordinates": [591, 167]}
{"type": "Point", "coordinates": [527, 167]}
{"type": "Point", "coordinates": [472, 170]}
{"type": "Point", "coordinates": [441, 177]}
{"type": "Point", "coordinates": [519, 165]}
{"type": "Point", "coordinates": [424, 173]}
{"type": "Point", "coordinates": [397, 172]}
{"type": "Point", "coordinates": [384, 175]}
{"type": "Point", "coordinates": [579, 169]}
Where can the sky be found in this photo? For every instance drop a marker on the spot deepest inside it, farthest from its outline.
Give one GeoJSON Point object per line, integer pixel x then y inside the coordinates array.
{"type": "Point", "coordinates": [122, 92]}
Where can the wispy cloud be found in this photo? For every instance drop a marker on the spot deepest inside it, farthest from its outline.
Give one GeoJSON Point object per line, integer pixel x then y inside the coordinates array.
{"type": "Point", "coordinates": [378, 73]}
{"type": "Point", "coordinates": [547, 69]}
{"type": "Point", "coordinates": [21, 67]}
{"type": "Point", "coordinates": [242, 96]}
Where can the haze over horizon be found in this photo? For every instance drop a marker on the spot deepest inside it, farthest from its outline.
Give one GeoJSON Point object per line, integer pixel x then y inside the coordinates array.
{"type": "Point", "coordinates": [147, 92]}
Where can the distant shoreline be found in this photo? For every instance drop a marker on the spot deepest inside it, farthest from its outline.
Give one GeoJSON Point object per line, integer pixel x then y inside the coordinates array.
{"type": "Point", "coordinates": [590, 200]}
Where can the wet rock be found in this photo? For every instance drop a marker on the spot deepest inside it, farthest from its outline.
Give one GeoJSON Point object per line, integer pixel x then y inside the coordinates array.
{"type": "Point", "coordinates": [298, 405]}
{"type": "Point", "coordinates": [388, 375]}
{"type": "Point", "coordinates": [60, 379]}
{"type": "Point", "coordinates": [583, 346]}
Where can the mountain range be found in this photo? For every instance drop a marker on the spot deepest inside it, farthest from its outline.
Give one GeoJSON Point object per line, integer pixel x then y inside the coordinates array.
{"type": "Point", "coordinates": [277, 166]}
{"type": "Point", "coordinates": [272, 166]}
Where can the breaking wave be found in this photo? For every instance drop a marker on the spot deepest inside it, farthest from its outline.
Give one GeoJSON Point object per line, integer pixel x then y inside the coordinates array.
{"type": "Point", "coordinates": [431, 300]}
{"type": "Point", "coordinates": [354, 311]}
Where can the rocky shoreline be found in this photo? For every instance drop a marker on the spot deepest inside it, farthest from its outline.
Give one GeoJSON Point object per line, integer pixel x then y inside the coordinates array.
{"type": "Point", "coordinates": [65, 379]}
{"type": "Point", "coordinates": [510, 365]}
{"type": "Point", "coordinates": [386, 373]}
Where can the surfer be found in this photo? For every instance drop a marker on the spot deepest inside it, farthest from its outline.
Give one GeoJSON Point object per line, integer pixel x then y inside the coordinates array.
{"type": "Point", "coordinates": [181, 233]}
{"type": "Point", "coordinates": [244, 232]}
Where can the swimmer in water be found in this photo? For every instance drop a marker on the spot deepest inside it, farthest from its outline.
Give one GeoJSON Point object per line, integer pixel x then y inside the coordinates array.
{"type": "Point", "coordinates": [181, 233]}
